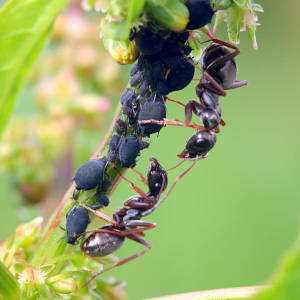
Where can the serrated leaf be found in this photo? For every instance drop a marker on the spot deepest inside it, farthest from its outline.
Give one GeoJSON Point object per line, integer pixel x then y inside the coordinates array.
{"type": "Point", "coordinates": [241, 16]}
{"type": "Point", "coordinates": [9, 288]}
{"type": "Point", "coordinates": [234, 23]}
{"type": "Point", "coordinates": [24, 28]}
{"type": "Point", "coordinates": [135, 9]}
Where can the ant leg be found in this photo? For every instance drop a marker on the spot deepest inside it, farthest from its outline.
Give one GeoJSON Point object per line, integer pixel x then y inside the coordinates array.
{"type": "Point", "coordinates": [140, 175]}
{"type": "Point", "coordinates": [214, 39]}
{"type": "Point", "coordinates": [126, 260]}
{"type": "Point", "coordinates": [139, 223]}
{"type": "Point", "coordinates": [212, 84]}
{"type": "Point", "coordinates": [190, 108]}
{"type": "Point", "coordinates": [125, 233]}
{"type": "Point", "coordinates": [237, 84]}
{"type": "Point", "coordinates": [175, 101]}
{"type": "Point", "coordinates": [100, 215]}
{"type": "Point", "coordinates": [166, 122]}
{"type": "Point", "coordinates": [176, 166]}
{"type": "Point", "coordinates": [134, 187]}
{"type": "Point", "coordinates": [177, 179]}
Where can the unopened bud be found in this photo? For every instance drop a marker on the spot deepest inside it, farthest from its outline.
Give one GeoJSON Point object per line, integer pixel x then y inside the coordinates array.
{"type": "Point", "coordinates": [27, 233]}
{"type": "Point", "coordinates": [62, 284]}
{"type": "Point", "coordinates": [123, 52]}
{"type": "Point", "coordinates": [172, 14]}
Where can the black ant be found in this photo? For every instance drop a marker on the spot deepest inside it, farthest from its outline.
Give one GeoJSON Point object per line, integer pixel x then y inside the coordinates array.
{"type": "Point", "coordinates": [219, 72]}
{"type": "Point", "coordinates": [218, 75]}
{"type": "Point", "coordinates": [126, 222]}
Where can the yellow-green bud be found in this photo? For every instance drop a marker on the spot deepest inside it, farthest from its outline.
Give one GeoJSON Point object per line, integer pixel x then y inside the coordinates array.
{"type": "Point", "coordinates": [172, 14]}
{"type": "Point", "coordinates": [63, 286]}
{"type": "Point", "coordinates": [122, 52]}
{"type": "Point", "coordinates": [27, 233]}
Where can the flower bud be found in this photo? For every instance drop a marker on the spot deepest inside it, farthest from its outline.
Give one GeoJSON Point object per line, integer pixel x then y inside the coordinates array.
{"type": "Point", "coordinates": [172, 14]}
{"type": "Point", "coordinates": [62, 285]}
{"type": "Point", "coordinates": [31, 278]}
{"type": "Point", "coordinates": [123, 52]}
{"type": "Point", "coordinates": [27, 233]}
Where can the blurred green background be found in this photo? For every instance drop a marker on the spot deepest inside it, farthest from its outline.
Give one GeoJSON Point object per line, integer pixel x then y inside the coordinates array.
{"type": "Point", "coordinates": [231, 219]}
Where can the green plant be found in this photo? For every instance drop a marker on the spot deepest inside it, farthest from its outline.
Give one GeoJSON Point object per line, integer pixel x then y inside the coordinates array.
{"type": "Point", "coordinates": [39, 257]}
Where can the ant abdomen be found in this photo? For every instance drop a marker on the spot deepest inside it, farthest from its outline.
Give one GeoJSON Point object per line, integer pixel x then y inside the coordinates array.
{"type": "Point", "coordinates": [224, 72]}
{"type": "Point", "coordinates": [199, 145]}
{"type": "Point", "coordinates": [101, 244]}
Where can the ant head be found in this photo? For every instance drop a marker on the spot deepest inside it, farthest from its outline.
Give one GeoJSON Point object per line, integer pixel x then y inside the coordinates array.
{"type": "Point", "coordinates": [157, 178]}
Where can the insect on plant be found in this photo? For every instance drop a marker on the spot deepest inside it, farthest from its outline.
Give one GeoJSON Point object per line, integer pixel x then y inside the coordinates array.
{"type": "Point", "coordinates": [219, 72]}
{"type": "Point", "coordinates": [127, 222]}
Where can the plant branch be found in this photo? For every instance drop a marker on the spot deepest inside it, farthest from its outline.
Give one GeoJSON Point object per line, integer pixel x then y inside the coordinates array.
{"type": "Point", "coordinates": [53, 233]}
{"type": "Point", "coordinates": [220, 294]}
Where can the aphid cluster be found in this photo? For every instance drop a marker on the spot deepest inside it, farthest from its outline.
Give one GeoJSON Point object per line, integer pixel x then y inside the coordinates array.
{"type": "Point", "coordinates": [163, 66]}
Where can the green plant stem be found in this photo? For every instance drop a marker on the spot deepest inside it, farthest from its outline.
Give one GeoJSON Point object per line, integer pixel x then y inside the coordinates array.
{"type": "Point", "coordinates": [220, 294]}
{"type": "Point", "coordinates": [52, 242]}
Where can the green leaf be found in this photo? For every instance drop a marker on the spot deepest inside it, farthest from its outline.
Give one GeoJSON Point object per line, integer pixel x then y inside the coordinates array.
{"type": "Point", "coordinates": [285, 285]}
{"type": "Point", "coordinates": [9, 288]}
{"type": "Point", "coordinates": [135, 9]}
{"type": "Point", "coordinates": [235, 22]}
{"type": "Point", "coordinates": [24, 28]}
